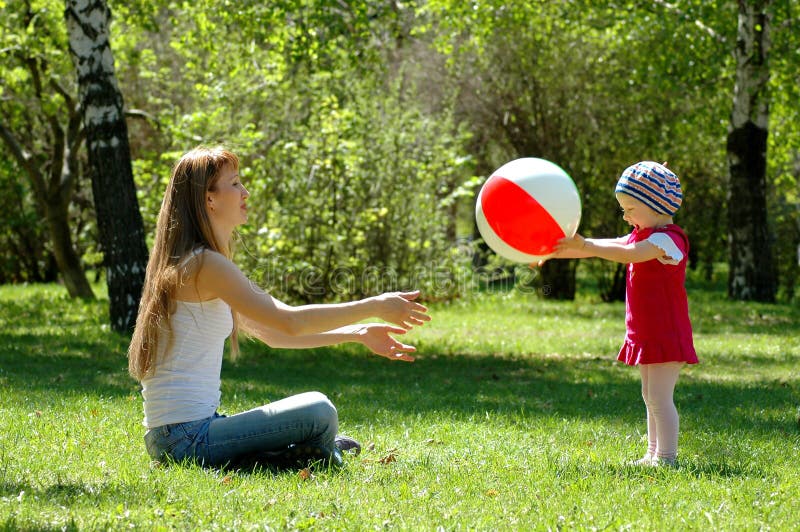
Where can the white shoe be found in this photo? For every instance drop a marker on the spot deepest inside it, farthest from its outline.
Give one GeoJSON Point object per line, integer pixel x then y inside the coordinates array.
{"type": "Point", "coordinates": [665, 462]}
{"type": "Point", "coordinates": [646, 460]}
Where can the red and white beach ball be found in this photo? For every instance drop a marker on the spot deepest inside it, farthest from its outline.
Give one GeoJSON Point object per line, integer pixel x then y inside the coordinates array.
{"type": "Point", "coordinates": [525, 207]}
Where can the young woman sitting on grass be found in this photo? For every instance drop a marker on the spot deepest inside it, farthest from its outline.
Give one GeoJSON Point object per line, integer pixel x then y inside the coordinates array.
{"type": "Point", "coordinates": [195, 297]}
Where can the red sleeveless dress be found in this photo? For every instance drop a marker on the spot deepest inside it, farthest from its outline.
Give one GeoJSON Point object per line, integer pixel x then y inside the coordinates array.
{"type": "Point", "coordinates": [656, 309]}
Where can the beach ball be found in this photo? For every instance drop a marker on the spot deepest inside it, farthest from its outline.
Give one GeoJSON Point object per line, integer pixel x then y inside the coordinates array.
{"type": "Point", "coordinates": [525, 207]}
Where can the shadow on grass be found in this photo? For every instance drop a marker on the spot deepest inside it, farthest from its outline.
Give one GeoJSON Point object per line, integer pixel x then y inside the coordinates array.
{"type": "Point", "coordinates": [367, 388]}
{"type": "Point", "coordinates": [66, 363]}
{"type": "Point", "coordinates": [708, 469]}
{"type": "Point", "coordinates": [64, 493]}
{"type": "Point", "coordinates": [52, 347]}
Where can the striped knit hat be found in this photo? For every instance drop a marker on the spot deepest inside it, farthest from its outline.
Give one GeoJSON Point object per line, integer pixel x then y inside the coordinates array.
{"type": "Point", "coordinates": [652, 184]}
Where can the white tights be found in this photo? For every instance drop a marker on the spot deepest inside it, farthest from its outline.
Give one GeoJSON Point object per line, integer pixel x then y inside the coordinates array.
{"type": "Point", "coordinates": [658, 385]}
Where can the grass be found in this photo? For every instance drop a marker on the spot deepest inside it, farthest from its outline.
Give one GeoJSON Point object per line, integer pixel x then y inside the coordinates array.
{"type": "Point", "coordinates": [515, 416]}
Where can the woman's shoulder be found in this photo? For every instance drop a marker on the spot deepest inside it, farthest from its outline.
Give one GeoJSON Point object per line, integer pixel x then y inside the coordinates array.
{"type": "Point", "coordinates": [197, 269]}
{"type": "Point", "coordinates": [201, 256]}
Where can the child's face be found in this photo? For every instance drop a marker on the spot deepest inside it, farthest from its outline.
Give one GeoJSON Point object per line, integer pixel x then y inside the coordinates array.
{"type": "Point", "coordinates": [640, 215]}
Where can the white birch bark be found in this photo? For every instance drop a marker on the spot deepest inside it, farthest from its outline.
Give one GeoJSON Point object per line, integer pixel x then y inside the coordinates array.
{"type": "Point", "coordinates": [118, 218]}
{"type": "Point", "coordinates": [752, 271]}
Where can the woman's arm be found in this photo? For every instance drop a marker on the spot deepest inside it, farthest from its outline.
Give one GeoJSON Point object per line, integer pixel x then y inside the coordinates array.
{"type": "Point", "coordinates": [613, 249]}
{"type": "Point", "coordinates": [374, 336]}
{"type": "Point", "coordinates": [219, 277]}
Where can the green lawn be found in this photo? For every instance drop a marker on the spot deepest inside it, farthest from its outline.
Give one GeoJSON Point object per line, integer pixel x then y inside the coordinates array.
{"type": "Point", "coordinates": [514, 416]}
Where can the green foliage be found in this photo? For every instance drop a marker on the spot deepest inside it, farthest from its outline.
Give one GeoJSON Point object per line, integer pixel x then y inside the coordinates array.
{"type": "Point", "coordinates": [514, 417]}
{"type": "Point", "coordinates": [37, 98]}
{"type": "Point", "coordinates": [596, 86]}
{"type": "Point", "coordinates": [350, 194]}
{"type": "Point", "coordinates": [356, 203]}
{"type": "Point", "coordinates": [34, 58]}
{"type": "Point", "coordinates": [347, 114]}
{"type": "Point", "coordinates": [783, 151]}
{"type": "Point", "coordinates": [22, 238]}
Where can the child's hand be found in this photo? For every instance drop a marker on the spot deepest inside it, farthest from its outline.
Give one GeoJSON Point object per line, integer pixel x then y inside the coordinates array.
{"type": "Point", "coordinates": [571, 247]}
{"type": "Point", "coordinates": [570, 242]}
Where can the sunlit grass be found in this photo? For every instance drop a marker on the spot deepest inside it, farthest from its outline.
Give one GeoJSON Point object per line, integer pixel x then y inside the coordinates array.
{"type": "Point", "coordinates": [515, 416]}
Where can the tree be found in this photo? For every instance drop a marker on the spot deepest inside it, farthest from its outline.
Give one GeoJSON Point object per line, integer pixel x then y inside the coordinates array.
{"type": "Point", "coordinates": [25, 249]}
{"type": "Point", "coordinates": [119, 221]}
{"type": "Point", "coordinates": [40, 126]}
{"type": "Point", "coordinates": [784, 144]}
{"type": "Point", "coordinates": [752, 271]}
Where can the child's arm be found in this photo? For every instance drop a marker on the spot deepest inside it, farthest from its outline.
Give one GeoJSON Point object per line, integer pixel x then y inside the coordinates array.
{"type": "Point", "coordinates": [566, 250]}
{"type": "Point", "coordinates": [613, 249]}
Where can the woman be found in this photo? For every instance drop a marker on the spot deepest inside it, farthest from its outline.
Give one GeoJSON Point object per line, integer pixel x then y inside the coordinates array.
{"type": "Point", "coordinates": [195, 297]}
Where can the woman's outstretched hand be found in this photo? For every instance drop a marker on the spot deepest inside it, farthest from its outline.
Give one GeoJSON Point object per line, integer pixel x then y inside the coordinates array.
{"type": "Point", "coordinates": [376, 336]}
{"type": "Point", "coordinates": [401, 309]}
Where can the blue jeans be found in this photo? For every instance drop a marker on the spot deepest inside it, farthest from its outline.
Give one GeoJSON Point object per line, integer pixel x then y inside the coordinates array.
{"type": "Point", "coordinates": [309, 419]}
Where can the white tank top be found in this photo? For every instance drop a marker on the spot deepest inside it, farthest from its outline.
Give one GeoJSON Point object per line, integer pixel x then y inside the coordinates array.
{"type": "Point", "coordinates": [185, 383]}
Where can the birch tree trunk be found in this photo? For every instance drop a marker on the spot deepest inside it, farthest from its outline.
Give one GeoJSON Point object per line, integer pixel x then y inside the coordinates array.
{"type": "Point", "coordinates": [118, 218]}
{"type": "Point", "coordinates": [752, 270]}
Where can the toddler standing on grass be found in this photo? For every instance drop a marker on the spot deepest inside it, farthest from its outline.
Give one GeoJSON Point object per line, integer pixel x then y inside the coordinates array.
{"type": "Point", "coordinates": [658, 336]}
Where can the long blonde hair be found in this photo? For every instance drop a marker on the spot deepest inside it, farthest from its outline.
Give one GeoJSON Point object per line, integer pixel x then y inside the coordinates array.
{"type": "Point", "coordinates": [183, 226]}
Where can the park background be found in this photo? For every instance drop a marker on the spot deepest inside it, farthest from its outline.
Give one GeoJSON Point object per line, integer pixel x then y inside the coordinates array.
{"type": "Point", "coordinates": [365, 130]}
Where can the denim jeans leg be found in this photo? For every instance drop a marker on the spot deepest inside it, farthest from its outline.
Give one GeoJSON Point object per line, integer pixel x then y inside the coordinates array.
{"type": "Point", "coordinates": [179, 441]}
{"type": "Point", "coordinates": [308, 418]}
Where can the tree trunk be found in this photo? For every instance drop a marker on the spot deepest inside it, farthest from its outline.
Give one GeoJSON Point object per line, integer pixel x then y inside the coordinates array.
{"type": "Point", "coordinates": [558, 279]}
{"type": "Point", "coordinates": [752, 270]}
{"type": "Point", "coordinates": [612, 287]}
{"type": "Point", "coordinates": [118, 218]}
{"type": "Point", "coordinates": [53, 196]}
{"type": "Point", "coordinates": [69, 263]}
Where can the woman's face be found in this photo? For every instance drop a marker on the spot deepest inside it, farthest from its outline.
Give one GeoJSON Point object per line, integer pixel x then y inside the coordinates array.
{"type": "Point", "coordinates": [638, 214]}
{"type": "Point", "coordinates": [226, 201]}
